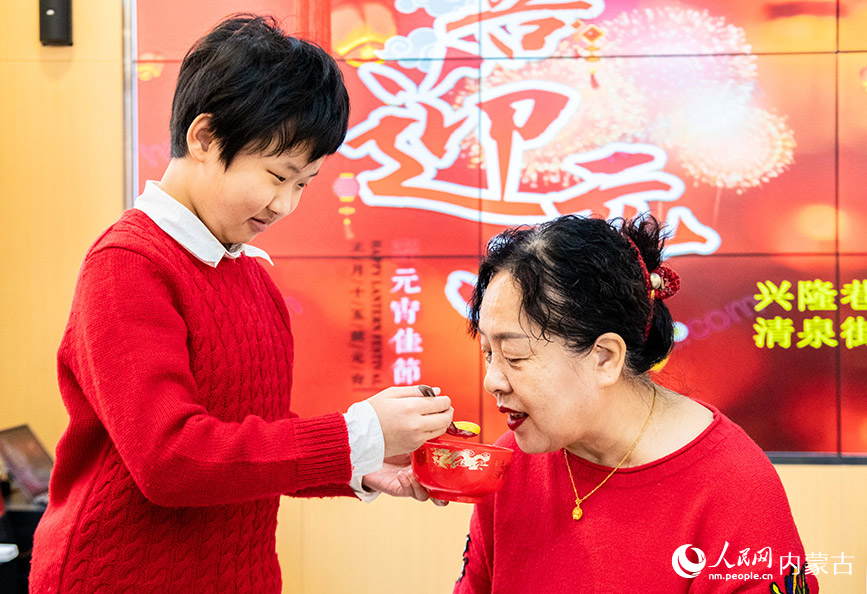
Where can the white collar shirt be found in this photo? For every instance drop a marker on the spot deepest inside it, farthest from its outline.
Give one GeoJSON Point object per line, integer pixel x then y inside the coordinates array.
{"type": "Point", "coordinates": [187, 229]}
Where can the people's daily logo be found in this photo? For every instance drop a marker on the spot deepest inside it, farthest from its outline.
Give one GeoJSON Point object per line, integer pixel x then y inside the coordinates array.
{"type": "Point", "coordinates": [685, 567]}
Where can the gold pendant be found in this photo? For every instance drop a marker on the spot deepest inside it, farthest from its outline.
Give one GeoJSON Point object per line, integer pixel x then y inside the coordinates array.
{"type": "Point", "coordinates": [577, 512]}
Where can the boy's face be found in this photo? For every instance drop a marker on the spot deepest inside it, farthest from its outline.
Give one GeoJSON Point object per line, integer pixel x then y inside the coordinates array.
{"type": "Point", "coordinates": [254, 192]}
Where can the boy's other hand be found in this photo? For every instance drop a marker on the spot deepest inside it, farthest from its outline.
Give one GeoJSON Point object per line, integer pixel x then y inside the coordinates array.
{"type": "Point", "coordinates": [409, 419]}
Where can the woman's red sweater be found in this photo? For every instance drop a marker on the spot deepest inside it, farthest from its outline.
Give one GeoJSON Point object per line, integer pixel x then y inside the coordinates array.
{"type": "Point", "coordinates": [719, 495]}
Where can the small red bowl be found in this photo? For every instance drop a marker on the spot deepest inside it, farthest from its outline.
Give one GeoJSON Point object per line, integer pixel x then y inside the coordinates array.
{"type": "Point", "coordinates": [460, 470]}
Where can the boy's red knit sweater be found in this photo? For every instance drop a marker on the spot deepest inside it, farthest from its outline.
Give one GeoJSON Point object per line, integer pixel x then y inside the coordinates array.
{"type": "Point", "coordinates": [177, 377]}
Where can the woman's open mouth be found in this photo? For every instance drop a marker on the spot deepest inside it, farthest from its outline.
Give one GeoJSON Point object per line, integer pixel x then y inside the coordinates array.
{"type": "Point", "coordinates": [513, 418]}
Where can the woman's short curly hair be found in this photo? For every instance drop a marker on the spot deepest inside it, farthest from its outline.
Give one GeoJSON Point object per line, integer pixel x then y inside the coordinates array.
{"type": "Point", "coordinates": [580, 278]}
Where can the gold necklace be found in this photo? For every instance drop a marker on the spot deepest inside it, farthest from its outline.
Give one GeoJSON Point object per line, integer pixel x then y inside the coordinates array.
{"type": "Point", "coordinates": [578, 512]}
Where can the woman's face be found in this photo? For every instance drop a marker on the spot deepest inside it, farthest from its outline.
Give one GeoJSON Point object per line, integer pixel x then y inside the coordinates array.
{"type": "Point", "coordinates": [548, 393]}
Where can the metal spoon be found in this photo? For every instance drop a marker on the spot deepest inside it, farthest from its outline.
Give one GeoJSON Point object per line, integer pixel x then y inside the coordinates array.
{"type": "Point", "coordinates": [452, 429]}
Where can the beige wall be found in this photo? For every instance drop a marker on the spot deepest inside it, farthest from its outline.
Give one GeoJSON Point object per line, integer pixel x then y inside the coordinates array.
{"type": "Point", "coordinates": [61, 183]}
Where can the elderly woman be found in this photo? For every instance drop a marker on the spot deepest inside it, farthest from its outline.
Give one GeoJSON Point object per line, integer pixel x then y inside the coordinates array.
{"type": "Point", "coordinates": [618, 485]}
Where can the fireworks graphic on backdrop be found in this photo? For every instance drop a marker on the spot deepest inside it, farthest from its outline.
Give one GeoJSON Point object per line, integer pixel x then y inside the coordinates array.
{"type": "Point", "coordinates": [732, 146]}
{"type": "Point", "coordinates": [675, 77]}
{"type": "Point", "coordinates": [612, 112]}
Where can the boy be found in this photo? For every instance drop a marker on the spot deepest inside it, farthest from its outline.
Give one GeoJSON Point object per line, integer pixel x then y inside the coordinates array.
{"type": "Point", "coordinates": [176, 363]}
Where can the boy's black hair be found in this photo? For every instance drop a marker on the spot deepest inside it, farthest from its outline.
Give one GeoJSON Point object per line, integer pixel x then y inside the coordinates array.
{"type": "Point", "coordinates": [580, 278]}
{"type": "Point", "coordinates": [264, 90]}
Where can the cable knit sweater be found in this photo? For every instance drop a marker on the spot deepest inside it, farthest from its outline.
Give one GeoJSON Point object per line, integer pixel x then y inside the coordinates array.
{"type": "Point", "coordinates": [177, 377]}
{"type": "Point", "coordinates": [719, 494]}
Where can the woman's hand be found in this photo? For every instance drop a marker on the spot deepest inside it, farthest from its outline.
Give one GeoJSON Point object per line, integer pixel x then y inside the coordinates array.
{"type": "Point", "coordinates": [396, 479]}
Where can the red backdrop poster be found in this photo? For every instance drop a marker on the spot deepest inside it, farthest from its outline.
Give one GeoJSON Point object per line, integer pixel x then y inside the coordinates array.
{"type": "Point", "coordinates": [740, 124]}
